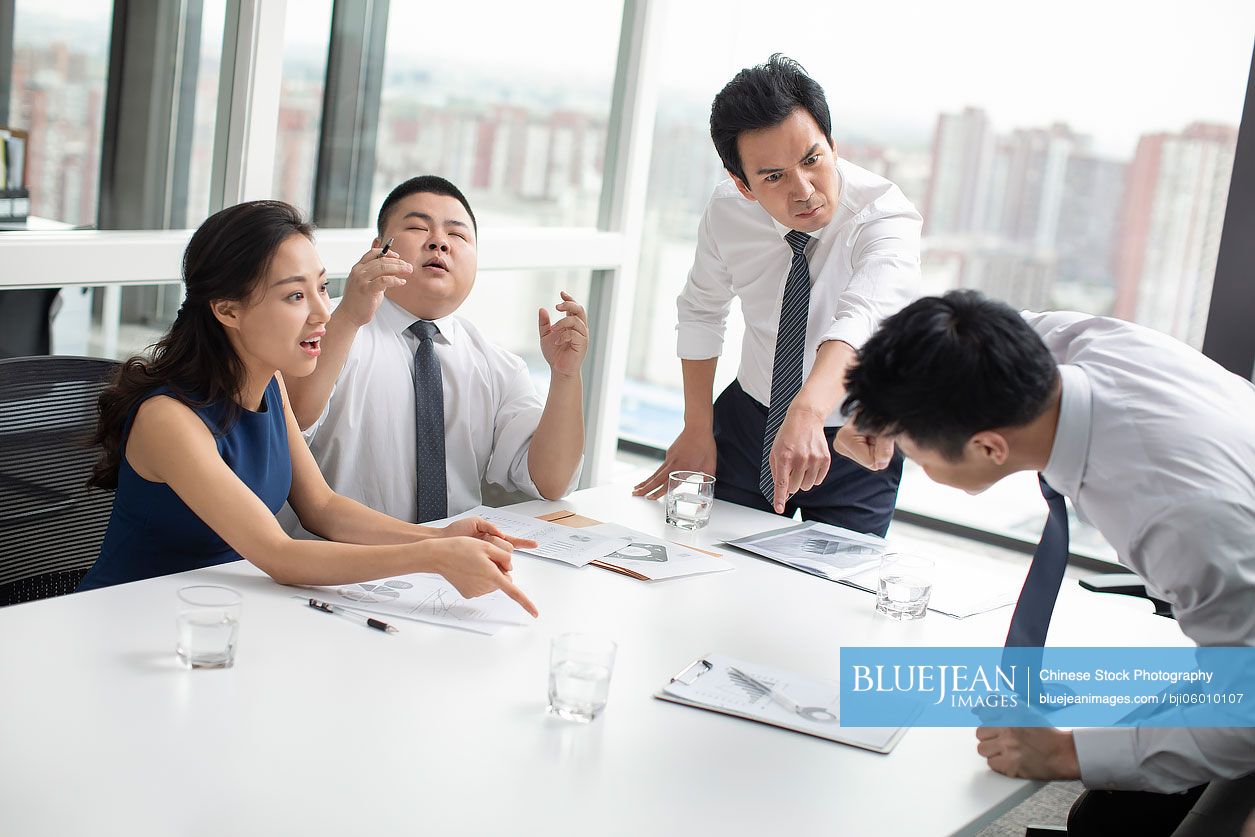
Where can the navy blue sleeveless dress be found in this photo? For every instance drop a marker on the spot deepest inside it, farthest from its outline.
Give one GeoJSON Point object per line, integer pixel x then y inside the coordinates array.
{"type": "Point", "coordinates": [152, 532]}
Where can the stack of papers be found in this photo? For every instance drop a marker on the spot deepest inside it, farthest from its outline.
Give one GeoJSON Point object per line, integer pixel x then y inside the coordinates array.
{"type": "Point", "coordinates": [605, 545]}
{"type": "Point", "coordinates": [653, 559]}
{"type": "Point", "coordinates": [576, 547]}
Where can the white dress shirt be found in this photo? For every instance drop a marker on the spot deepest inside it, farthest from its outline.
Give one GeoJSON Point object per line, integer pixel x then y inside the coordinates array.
{"type": "Point", "coordinates": [1155, 447]}
{"type": "Point", "coordinates": [864, 266]}
{"type": "Point", "coordinates": [364, 441]}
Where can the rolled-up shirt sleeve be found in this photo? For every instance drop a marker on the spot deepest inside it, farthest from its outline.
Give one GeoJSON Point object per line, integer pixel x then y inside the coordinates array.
{"type": "Point", "coordinates": [702, 307]}
{"type": "Point", "coordinates": [1199, 557]}
{"type": "Point", "coordinates": [885, 276]}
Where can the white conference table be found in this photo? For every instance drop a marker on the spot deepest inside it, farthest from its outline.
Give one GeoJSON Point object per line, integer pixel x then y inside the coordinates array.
{"type": "Point", "coordinates": [326, 727]}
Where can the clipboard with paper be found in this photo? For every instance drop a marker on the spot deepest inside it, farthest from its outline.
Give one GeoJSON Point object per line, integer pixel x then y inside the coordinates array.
{"type": "Point", "coordinates": [772, 696]}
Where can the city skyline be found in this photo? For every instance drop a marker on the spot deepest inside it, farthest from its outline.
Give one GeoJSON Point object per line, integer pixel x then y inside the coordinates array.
{"type": "Point", "coordinates": [1030, 214]}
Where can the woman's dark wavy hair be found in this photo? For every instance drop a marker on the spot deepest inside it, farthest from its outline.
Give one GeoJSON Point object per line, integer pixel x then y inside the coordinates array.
{"type": "Point", "coordinates": [225, 260]}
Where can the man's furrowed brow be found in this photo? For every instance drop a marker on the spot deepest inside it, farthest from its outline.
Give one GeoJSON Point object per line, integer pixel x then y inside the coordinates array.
{"type": "Point", "coordinates": [810, 152]}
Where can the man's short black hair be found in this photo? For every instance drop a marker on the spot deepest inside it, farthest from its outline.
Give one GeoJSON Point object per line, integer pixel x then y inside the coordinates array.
{"type": "Point", "coordinates": [945, 368]}
{"type": "Point", "coordinates": [423, 183]}
{"type": "Point", "coordinates": [762, 97]}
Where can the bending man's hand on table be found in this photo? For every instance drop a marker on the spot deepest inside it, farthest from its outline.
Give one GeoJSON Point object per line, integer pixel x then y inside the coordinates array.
{"type": "Point", "coordinates": [1029, 752]}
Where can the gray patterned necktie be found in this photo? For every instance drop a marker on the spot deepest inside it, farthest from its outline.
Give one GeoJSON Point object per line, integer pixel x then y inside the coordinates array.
{"type": "Point", "coordinates": [433, 500]}
{"type": "Point", "coordinates": [786, 370]}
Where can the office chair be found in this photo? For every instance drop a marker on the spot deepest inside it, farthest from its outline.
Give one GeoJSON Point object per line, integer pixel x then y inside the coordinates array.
{"type": "Point", "coordinates": [1125, 584]}
{"type": "Point", "coordinates": [51, 524]}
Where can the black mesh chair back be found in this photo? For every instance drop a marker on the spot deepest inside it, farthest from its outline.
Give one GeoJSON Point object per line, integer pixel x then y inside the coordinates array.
{"type": "Point", "coordinates": [51, 524]}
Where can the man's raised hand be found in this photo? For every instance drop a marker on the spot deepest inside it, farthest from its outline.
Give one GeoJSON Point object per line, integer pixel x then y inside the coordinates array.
{"type": "Point", "coordinates": [368, 280]}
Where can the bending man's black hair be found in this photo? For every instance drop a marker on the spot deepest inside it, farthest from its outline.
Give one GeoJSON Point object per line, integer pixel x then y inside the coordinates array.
{"type": "Point", "coordinates": [945, 368]}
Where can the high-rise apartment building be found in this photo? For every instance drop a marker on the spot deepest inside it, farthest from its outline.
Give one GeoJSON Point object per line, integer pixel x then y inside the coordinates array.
{"type": "Point", "coordinates": [1170, 228]}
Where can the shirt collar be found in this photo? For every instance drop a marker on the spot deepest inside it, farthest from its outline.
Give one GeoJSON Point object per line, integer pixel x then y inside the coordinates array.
{"type": "Point", "coordinates": [394, 318]}
{"type": "Point", "coordinates": [1065, 469]}
{"type": "Point", "coordinates": [818, 235]}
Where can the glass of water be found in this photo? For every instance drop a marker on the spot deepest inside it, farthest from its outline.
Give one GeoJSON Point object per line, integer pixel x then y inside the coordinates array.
{"type": "Point", "coordinates": [209, 625]}
{"type": "Point", "coordinates": [690, 496]}
{"type": "Point", "coordinates": [579, 675]}
{"type": "Point", "coordinates": [906, 582]}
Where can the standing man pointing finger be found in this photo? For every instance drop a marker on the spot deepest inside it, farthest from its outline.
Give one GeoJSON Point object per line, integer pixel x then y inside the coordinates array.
{"type": "Point", "coordinates": [818, 251]}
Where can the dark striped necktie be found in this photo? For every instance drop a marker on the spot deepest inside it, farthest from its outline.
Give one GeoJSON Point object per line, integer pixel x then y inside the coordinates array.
{"type": "Point", "coordinates": [786, 370]}
{"type": "Point", "coordinates": [1031, 619]}
{"type": "Point", "coordinates": [433, 502]}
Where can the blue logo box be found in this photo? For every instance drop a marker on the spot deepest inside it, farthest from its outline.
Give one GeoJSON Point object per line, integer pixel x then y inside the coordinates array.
{"type": "Point", "coordinates": [1055, 687]}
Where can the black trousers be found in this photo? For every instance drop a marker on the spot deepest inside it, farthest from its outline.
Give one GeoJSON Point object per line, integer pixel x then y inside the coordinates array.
{"type": "Point", "coordinates": [1101, 812]}
{"type": "Point", "coordinates": [1217, 809]}
{"type": "Point", "coordinates": [850, 495]}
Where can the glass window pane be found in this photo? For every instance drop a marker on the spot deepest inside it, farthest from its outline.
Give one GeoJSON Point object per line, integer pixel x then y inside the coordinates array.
{"type": "Point", "coordinates": [306, 36]}
{"type": "Point", "coordinates": [513, 125]}
{"type": "Point", "coordinates": [82, 324]}
{"type": "Point", "coordinates": [504, 305]}
{"type": "Point", "coordinates": [1084, 167]}
{"type": "Point", "coordinates": [60, 60]}
{"type": "Point", "coordinates": [205, 111]}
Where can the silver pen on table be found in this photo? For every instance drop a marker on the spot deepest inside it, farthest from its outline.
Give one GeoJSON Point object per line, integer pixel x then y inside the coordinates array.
{"type": "Point", "coordinates": [352, 616]}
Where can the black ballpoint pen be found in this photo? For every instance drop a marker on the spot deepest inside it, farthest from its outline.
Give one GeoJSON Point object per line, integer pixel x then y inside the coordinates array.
{"type": "Point", "coordinates": [387, 245]}
{"type": "Point", "coordinates": [327, 607]}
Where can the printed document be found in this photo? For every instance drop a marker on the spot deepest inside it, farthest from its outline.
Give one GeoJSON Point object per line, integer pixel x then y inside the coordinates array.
{"type": "Point", "coordinates": [560, 543]}
{"type": "Point", "coordinates": [654, 558]}
{"type": "Point", "coordinates": [828, 551]}
{"type": "Point", "coordinates": [428, 597]}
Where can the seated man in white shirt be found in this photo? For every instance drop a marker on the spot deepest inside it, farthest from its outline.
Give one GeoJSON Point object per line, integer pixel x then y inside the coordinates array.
{"type": "Point", "coordinates": [411, 407]}
{"type": "Point", "coordinates": [1155, 445]}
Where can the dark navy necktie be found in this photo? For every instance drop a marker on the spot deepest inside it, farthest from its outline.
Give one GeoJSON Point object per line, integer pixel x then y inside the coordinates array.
{"type": "Point", "coordinates": [433, 500]}
{"type": "Point", "coordinates": [786, 369]}
{"type": "Point", "coordinates": [1031, 619]}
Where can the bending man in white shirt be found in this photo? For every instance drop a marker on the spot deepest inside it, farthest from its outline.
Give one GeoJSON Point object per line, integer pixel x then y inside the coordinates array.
{"type": "Point", "coordinates": [1155, 445]}
{"type": "Point", "coordinates": [818, 251]}
{"type": "Point", "coordinates": [415, 437]}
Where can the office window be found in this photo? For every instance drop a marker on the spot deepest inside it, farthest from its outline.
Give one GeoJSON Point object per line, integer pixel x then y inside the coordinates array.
{"type": "Point", "coordinates": [490, 96]}
{"type": "Point", "coordinates": [307, 30]}
{"type": "Point", "coordinates": [205, 110]}
{"type": "Point", "coordinates": [504, 305]}
{"type": "Point", "coordinates": [60, 57]}
{"type": "Point", "coordinates": [1085, 168]}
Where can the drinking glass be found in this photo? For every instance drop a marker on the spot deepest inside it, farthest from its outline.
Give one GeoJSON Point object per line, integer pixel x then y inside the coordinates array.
{"type": "Point", "coordinates": [906, 582]}
{"type": "Point", "coordinates": [579, 675]}
{"type": "Point", "coordinates": [690, 496]}
{"type": "Point", "coordinates": [209, 624]}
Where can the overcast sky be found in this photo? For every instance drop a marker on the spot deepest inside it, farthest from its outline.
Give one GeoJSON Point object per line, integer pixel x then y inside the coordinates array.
{"type": "Point", "coordinates": [1111, 68]}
